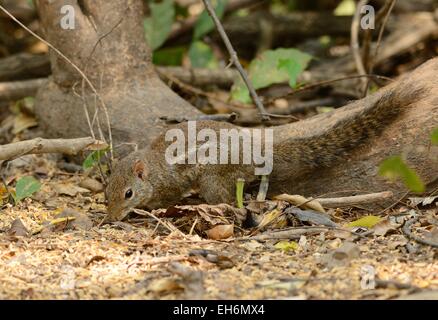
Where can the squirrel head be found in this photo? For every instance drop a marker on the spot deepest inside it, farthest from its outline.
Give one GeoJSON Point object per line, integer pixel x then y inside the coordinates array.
{"type": "Point", "coordinates": [128, 188]}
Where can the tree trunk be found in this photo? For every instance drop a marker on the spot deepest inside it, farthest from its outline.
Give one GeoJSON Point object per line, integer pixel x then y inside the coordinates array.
{"type": "Point", "coordinates": [108, 44]}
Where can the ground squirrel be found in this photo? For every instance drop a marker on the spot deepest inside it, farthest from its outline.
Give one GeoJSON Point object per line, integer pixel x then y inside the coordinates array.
{"type": "Point", "coordinates": [145, 179]}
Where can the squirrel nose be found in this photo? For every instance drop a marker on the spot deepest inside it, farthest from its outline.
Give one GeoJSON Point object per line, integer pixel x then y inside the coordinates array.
{"type": "Point", "coordinates": [113, 213]}
{"type": "Point", "coordinates": [116, 214]}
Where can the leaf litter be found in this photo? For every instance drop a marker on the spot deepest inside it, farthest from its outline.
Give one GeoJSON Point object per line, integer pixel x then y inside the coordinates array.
{"type": "Point", "coordinates": [52, 247]}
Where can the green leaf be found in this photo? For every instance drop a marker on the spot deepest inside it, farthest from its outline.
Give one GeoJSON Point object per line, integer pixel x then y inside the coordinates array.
{"type": "Point", "coordinates": [394, 168]}
{"type": "Point", "coordinates": [345, 8]}
{"type": "Point", "coordinates": [239, 192]}
{"type": "Point", "coordinates": [272, 66]}
{"type": "Point", "coordinates": [93, 158]}
{"type": "Point", "coordinates": [366, 222]}
{"type": "Point", "coordinates": [287, 245]}
{"type": "Point", "coordinates": [292, 68]}
{"type": "Point", "coordinates": [159, 25]}
{"type": "Point", "coordinates": [201, 55]}
{"type": "Point", "coordinates": [434, 136]}
{"type": "Point", "coordinates": [205, 24]}
{"type": "Point", "coordinates": [26, 187]}
{"type": "Point", "coordinates": [169, 56]}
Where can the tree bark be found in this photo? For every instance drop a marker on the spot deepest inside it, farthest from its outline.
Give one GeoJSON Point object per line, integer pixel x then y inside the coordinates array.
{"type": "Point", "coordinates": [108, 45]}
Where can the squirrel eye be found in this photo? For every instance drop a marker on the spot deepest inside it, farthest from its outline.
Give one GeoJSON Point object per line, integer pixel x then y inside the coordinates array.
{"type": "Point", "coordinates": [128, 194]}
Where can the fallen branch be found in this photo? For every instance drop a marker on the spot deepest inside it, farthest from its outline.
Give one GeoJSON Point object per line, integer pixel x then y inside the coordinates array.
{"type": "Point", "coordinates": [16, 90]}
{"type": "Point", "coordinates": [212, 117]}
{"type": "Point", "coordinates": [354, 200]}
{"type": "Point", "coordinates": [200, 77]}
{"type": "Point", "coordinates": [24, 66]}
{"type": "Point", "coordinates": [39, 145]}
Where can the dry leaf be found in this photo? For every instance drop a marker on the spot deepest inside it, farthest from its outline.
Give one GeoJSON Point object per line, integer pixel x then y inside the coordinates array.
{"type": "Point", "coordinates": [80, 221]}
{"type": "Point", "coordinates": [68, 219]}
{"type": "Point", "coordinates": [432, 235]}
{"type": "Point", "coordinates": [219, 232]}
{"type": "Point", "coordinates": [341, 256]}
{"type": "Point", "coordinates": [18, 229]}
{"type": "Point", "coordinates": [311, 216]}
{"type": "Point", "coordinates": [214, 214]}
{"type": "Point", "coordinates": [396, 241]}
{"type": "Point", "coordinates": [301, 202]}
{"type": "Point", "coordinates": [4, 195]}
{"type": "Point", "coordinates": [424, 201]}
{"type": "Point", "coordinates": [164, 285]}
{"type": "Point", "coordinates": [91, 184]}
{"type": "Point", "coordinates": [385, 225]}
{"type": "Point", "coordinates": [23, 122]}
{"type": "Point", "coordinates": [274, 219]}
{"type": "Point", "coordinates": [69, 189]}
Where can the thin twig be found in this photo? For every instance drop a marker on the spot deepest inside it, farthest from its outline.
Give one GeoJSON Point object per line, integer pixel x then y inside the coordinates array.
{"type": "Point", "coordinates": [95, 104]}
{"type": "Point", "coordinates": [187, 25]}
{"type": "Point", "coordinates": [387, 12]}
{"type": "Point", "coordinates": [229, 117]}
{"type": "Point", "coordinates": [326, 82]}
{"type": "Point", "coordinates": [85, 107]}
{"type": "Point", "coordinates": [169, 226]}
{"type": "Point", "coordinates": [105, 35]}
{"type": "Point", "coordinates": [366, 47]}
{"type": "Point", "coordinates": [233, 106]}
{"type": "Point", "coordinates": [235, 60]}
{"type": "Point", "coordinates": [393, 205]}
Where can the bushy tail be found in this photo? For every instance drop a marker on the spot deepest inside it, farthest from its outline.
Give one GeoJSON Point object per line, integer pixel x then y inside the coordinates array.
{"type": "Point", "coordinates": [322, 150]}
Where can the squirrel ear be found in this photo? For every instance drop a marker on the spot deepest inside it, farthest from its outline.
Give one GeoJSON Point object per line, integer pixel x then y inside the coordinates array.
{"type": "Point", "coordinates": [139, 169]}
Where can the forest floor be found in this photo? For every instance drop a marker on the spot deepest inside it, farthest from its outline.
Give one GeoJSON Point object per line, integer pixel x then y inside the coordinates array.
{"type": "Point", "coordinates": [43, 256]}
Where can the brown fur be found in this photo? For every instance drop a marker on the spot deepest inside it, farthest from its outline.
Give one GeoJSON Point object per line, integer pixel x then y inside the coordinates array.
{"type": "Point", "coordinates": [155, 183]}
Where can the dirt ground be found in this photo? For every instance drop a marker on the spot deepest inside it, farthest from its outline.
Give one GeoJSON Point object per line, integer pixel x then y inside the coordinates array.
{"type": "Point", "coordinates": [47, 257]}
